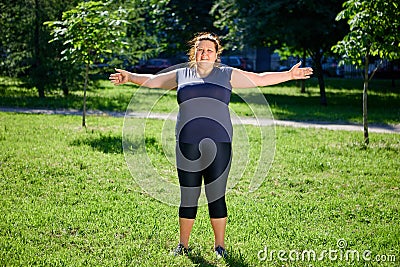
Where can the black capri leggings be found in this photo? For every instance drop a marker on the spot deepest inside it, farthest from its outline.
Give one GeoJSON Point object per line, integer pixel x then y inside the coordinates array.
{"type": "Point", "coordinates": [192, 166]}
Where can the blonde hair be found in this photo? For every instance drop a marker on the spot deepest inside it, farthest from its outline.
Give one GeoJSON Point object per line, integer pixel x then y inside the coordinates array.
{"type": "Point", "coordinates": [201, 37]}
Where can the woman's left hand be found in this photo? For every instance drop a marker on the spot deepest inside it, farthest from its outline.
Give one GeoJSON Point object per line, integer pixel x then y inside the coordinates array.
{"type": "Point", "coordinates": [300, 73]}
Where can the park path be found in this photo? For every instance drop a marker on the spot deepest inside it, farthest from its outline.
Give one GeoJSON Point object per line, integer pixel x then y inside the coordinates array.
{"type": "Point", "coordinates": [236, 120]}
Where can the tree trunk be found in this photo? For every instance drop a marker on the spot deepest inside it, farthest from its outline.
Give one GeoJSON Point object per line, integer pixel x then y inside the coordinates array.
{"type": "Point", "coordinates": [365, 98]}
{"type": "Point", "coordinates": [84, 95]}
{"type": "Point", "coordinates": [64, 86]}
{"type": "Point", "coordinates": [36, 45]}
{"type": "Point", "coordinates": [317, 58]}
{"type": "Point", "coordinates": [393, 74]}
{"type": "Point", "coordinates": [303, 82]}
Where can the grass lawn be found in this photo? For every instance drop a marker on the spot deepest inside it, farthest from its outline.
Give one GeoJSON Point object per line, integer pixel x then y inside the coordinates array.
{"type": "Point", "coordinates": [68, 199]}
{"type": "Point", "coordinates": [285, 100]}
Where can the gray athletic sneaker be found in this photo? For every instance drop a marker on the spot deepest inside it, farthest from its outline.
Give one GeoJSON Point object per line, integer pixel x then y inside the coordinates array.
{"type": "Point", "coordinates": [181, 250]}
{"type": "Point", "coordinates": [220, 252]}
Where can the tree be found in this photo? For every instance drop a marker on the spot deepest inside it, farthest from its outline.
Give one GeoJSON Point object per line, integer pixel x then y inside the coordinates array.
{"type": "Point", "coordinates": [174, 22]}
{"type": "Point", "coordinates": [306, 27]}
{"type": "Point", "coordinates": [89, 32]}
{"type": "Point", "coordinates": [374, 31]}
{"type": "Point", "coordinates": [24, 46]}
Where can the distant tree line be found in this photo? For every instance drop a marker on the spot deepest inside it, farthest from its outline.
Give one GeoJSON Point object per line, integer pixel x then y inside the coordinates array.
{"type": "Point", "coordinates": [304, 28]}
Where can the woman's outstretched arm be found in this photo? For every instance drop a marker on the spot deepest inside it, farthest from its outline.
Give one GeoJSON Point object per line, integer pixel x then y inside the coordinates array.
{"type": "Point", "coordinates": [245, 79]}
{"type": "Point", "coordinates": [165, 80]}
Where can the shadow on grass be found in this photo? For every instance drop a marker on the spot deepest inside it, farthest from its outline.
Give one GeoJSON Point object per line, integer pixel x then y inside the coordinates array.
{"type": "Point", "coordinates": [116, 103]}
{"type": "Point", "coordinates": [375, 85]}
{"type": "Point", "coordinates": [200, 261]}
{"type": "Point", "coordinates": [343, 106]}
{"type": "Point", "coordinates": [230, 260]}
{"type": "Point", "coordinates": [108, 143]}
{"type": "Point", "coordinates": [103, 143]}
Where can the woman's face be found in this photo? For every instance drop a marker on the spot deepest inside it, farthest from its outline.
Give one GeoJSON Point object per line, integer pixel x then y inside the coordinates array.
{"type": "Point", "coordinates": [205, 51]}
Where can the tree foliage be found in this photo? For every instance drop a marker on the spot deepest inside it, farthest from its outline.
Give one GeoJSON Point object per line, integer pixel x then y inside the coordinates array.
{"type": "Point", "coordinates": [25, 49]}
{"type": "Point", "coordinates": [305, 27]}
{"type": "Point", "coordinates": [374, 31]}
{"type": "Point", "coordinates": [90, 32]}
{"type": "Point", "coordinates": [298, 24]}
{"type": "Point", "coordinates": [24, 46]}
{"type": "Point", "coordinates": [175, 22]}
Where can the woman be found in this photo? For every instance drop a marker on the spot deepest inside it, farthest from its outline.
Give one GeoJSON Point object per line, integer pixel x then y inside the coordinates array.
{"type": "Point", "coordinates": [204, 129]}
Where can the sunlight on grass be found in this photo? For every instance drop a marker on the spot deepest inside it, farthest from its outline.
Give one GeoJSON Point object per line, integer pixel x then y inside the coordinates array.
{"type": "Point", "coordinates": [67, 198]}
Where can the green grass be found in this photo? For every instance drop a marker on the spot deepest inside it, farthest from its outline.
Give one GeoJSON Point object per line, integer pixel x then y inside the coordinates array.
{"type": "Point", "coordinates": [68, 199]}
{"type": "Point", "coordinates": [285, 100]}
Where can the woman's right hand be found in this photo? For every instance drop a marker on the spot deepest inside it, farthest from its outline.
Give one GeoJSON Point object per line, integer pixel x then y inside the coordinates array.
{"type": "Point", "coordinates": [121, 77]}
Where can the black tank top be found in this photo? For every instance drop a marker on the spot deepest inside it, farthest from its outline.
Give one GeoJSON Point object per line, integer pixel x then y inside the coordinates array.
{"type": "Point", "coordinates": [203, 105]}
